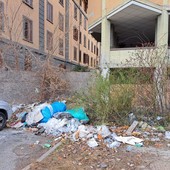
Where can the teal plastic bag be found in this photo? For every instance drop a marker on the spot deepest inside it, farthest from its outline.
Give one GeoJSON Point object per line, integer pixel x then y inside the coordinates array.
{"type": "Point", "coordinates": [79, 114]}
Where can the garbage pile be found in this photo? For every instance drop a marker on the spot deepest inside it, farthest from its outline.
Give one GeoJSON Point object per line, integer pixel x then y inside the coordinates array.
{"type": "Point", "coordinates": [56, 120]}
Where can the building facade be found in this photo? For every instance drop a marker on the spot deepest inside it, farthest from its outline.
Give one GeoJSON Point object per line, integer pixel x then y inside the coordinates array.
{"type": "Point", "coordinates": [58, 28]}
{"type": "Point", "coordinates": [122, 26]}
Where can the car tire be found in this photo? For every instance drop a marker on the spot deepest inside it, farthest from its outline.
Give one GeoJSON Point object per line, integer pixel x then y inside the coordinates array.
{"type": "Point", "coordinates": [2, 120]}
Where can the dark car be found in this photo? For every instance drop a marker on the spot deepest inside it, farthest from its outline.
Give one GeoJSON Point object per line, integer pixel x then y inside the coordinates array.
{"type": "Point", "coordinates": [5, 113]}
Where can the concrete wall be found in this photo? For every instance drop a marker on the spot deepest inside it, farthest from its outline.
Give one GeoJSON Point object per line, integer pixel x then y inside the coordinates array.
{"type": "Point", "coordinates": [18, 87]}
{"type": "Point", "coordinates": [23, 87]}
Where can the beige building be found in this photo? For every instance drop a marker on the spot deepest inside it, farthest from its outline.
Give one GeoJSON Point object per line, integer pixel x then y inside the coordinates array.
{"type": "Point", "coordinates": [55, 27]}
{"type": "Point", "coordinates": [122, 26]}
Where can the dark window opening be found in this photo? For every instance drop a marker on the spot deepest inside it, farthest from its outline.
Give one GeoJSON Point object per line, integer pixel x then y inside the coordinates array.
{"type": "Point", "coordinates": [75, 53]}
{"type": "Point", "coordinates": [75, 12]}
{"type": "Point", "coordinates": [27, 29]}
{"type": "Point", "coordinates": [80, 56]}
{"type": "Point", "coordinates": [75, 34]}
{"type": "Point", "coordinates": [49, 12]}
{"type": "Point", "coordinates": [86, 58]}
{"type": "Point", "coordinates": [61, 22]}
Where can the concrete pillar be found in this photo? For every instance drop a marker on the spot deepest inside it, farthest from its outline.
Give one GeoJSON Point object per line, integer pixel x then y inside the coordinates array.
{"type": "Point", "coordinates": [105, 41]}
{"type": "Point", "coordinates": [162, 29]}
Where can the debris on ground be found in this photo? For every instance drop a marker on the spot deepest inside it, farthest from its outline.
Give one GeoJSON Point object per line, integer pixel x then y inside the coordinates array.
{"type": "Point", "coordinates": [54, 119]}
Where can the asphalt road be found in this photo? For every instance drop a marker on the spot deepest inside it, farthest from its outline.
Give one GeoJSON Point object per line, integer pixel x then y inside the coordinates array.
{"type": "Point", "coordinates": [19, 148]}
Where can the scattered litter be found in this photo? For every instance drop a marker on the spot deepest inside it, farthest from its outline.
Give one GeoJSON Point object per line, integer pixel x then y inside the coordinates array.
{"type": "Point", "coordinates": [37, 142]}
{"type": "Point", "coordinates": [92, 143]}
{"type": "Point", "coordinates": [129, 140]}
{"type": "Point", "coordinates": [55, 120]}
{"type": "Point", "coordinates": [47, 145]}
{"type": "Point", "coordinates": [129, 148]}
{"type": "Point", "coordinates": [159, 118]}
{"type": "Point", "coordinates": [131, 118]}
{"type": "Point", "coordinates": [115, 144]}
{"type": "Point", "coordinates": [131, 128]}
{"type": "Point", "coordinates": [160, 128]}
{"type": "Point", "coordinates": [18, 125]}
{"type": "Point", "coordinates": [167, 134]}
{"type": "Point", "coordinates": [103, 131]}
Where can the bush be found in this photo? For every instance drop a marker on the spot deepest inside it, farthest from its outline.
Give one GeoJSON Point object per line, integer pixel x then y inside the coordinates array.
{"type": "Point", "coordinates": [106, 102]}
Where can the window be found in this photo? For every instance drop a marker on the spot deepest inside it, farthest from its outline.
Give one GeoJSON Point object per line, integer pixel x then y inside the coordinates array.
{"type": "Point", "coordinates": [84, 23]}
{"type": "Point", "coordinates": [97, 52]}
{"type": "Point", "coordinates": [80, 18]}
{"type": "Point", "coordinates": [27, 29]}
{"type": "Point", "coordinates": [28, 2]}
{"type": "Point", "coordinates": [1, 16]}
{"type": "Point", "coordinates": [49, 12]}
{"type": "Point", "coordinates": [86, 58]}
{"type": "Point", "coordinates": [75, 33]}
{"type": "Point", "coordinates": [88, 44]}
{"type": "Point", "coordinates": [75, 53]}
{"type": "Point", "coordinates": [80, 56]}
{"type": "Point", "coordinates": [91, 47]}
{"type": "Point", "coordinates": [94, 49]}
{"type": "Point", "coordinates": [61, 47]}
{"type": "Point", "coordinates": [61, 22]}
{"type": "Point", "coordinates": [80, 2]}
{"type": "Point", "coordinates": [49, 41]}
{"type": "Point", "coordinates": [84, 41]}
{"type": "Point", "coordinates": [94, 63]}
{"type": "Point", "coordinates": [80, 38]}
{"type": "Point", "coordinates": [61, 2]}
{"type": "Point", "coordinates": [75, 12]}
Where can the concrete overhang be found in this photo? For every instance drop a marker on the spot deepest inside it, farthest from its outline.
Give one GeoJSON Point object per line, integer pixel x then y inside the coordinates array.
{"type": "Point", "coordinates": [134, 8]}
{"type": "Point", "coordinates": [130, 12]}
{"type": "Point", "coordinates": [96, 27]}
{"type": "Point", "coordinates": [135, 22]}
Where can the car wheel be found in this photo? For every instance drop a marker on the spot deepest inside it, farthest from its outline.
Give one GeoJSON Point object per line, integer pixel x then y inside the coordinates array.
{"type": "Point", "coordinates": [2, 120]}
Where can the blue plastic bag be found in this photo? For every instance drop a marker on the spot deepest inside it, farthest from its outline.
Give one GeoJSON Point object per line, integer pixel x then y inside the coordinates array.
{"type": "Point", "coordinates": [48, 111]}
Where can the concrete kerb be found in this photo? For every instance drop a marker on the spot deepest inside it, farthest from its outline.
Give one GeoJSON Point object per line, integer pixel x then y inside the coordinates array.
{"type": "Point", "coordinates": [44, 155]}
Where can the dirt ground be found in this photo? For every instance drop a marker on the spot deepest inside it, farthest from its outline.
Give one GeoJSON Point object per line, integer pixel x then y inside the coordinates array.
{"type": "Point", "coordinates": [78, 156]}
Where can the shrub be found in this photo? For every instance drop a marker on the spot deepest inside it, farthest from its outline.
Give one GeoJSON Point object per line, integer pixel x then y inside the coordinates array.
{"type": "Point", "coordinates": [106, 102]}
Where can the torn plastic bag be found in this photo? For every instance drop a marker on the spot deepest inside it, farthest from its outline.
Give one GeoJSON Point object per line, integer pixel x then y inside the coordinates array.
{"type": "Point", "coordinates": [79, 114]}
{"type": "Point", "coordinates": [103, 131]}
{"type": "Point", "coordinates": [35, 116]}
{"type": "Point", "coordinates": [49, 110]}
{"type": "Point", "coordinates": [131, 140]}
